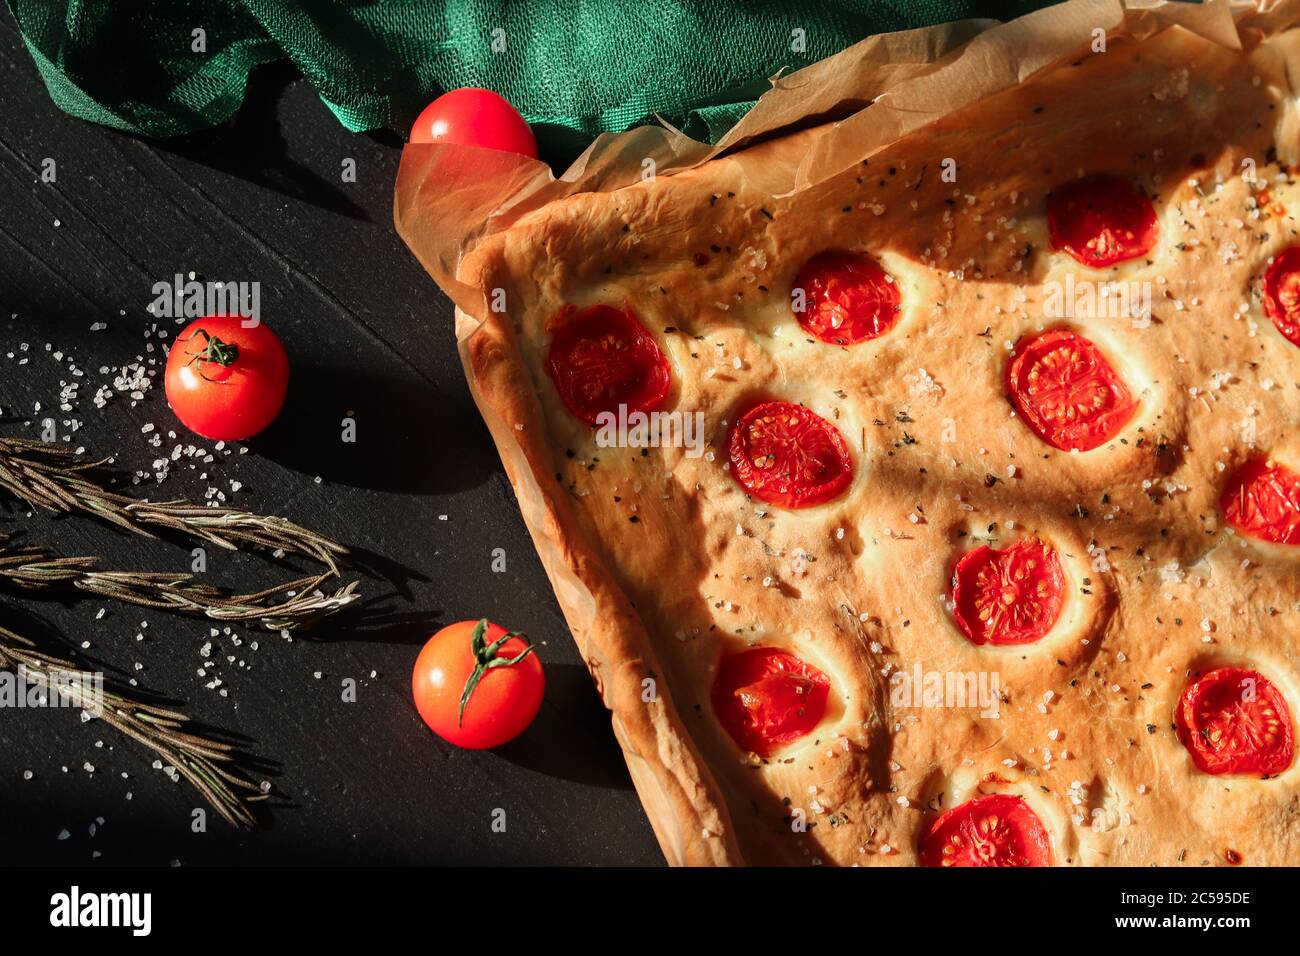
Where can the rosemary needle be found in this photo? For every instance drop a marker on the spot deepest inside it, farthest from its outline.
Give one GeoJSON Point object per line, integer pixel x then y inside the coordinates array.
{"type": "Point", "coordinates": [32, 568]}
{"type": "Point", "coordinates": [51, 477]}
{"type": "Point", "coordinates": [209, 765]}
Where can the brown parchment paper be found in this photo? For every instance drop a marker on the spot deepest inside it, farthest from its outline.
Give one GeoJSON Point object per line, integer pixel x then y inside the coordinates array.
{"type": "Point", "coordinates": [862, 100]}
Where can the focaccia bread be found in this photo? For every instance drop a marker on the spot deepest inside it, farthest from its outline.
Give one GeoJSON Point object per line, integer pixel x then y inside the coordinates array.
{"type": "Point", "coordinates": [1027, 531]}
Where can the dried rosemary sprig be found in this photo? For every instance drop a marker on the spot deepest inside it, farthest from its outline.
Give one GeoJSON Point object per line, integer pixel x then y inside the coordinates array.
{"type": "Point", "coordinates": [209, 765]}
{"type": "Point", "coordinates": [31, 567]}
{"type": "Point", "coordinates": [52, 477]}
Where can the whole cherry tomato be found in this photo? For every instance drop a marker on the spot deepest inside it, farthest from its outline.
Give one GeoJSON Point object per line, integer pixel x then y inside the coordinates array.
{"type": "Point", "coordinates": [477, 685]}
{"type": "Point", "coordinates": [226, 377]}
{"type": "Point", "coordinates": [474, 117]}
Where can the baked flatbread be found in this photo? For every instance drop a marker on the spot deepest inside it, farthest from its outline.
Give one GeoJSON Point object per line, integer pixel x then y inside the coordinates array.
{"type": "Point", "coordinates": [987, 550]}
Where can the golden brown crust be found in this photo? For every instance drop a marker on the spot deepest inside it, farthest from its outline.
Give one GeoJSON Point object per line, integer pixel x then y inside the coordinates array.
{"type": "Point", "coordinates": [857, 586]}
{"type": "Point", "coordinates": [688, 816]}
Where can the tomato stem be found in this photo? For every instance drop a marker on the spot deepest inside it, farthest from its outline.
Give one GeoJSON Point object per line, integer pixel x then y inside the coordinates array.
{"type": "Point", "coordinates": [485, 658]}
{"type": "Point", "coordinates": [221, 353]}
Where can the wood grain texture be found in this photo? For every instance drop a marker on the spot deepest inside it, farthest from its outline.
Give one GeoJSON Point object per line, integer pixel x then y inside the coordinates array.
{"type": "Point", "coordinates": [420, 492]}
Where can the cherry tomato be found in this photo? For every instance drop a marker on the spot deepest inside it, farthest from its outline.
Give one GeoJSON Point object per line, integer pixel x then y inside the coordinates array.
{"type": "Point", "coordinates": [1067, 392]}
{"type": "Point", "coordinates": [1262, 500]}
{"type": "Point", "coordinates": [766, 698]}
{"type": "Point", "coordinates": [1101, 220]}
{"type": "Point", "coordinates": [226, 381]}
{"type": "Point", "coordinates": [1282, 293]}
{"type": "Point", "coordinates": [1235, 721]}
{"type": "Point", "coordinates": [847, 298]}
{"type": "Point", "coordinates": [1012, 596]}
{"type": "Point", "coordinates": [602, 358]}
{"type": "Point", "coordinates": [787, 455]}
{"type": "Point", "coordinates": [475, 117]}
{"type": "Point", "coordinates": [996, 830]}
{"type": "Point", "coordinates": [476, 685]}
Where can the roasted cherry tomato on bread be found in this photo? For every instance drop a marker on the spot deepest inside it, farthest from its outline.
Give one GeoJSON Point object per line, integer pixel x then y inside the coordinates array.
{"type": "Point", "coordinates": [1236, 721]}
{"type": "Point", "coordinates": [766, 698]}
{"type": "Point", "coordinates": [788, 455]}
{"type": "Point", "coordinates": [995, 830]}
{"type": "Point", "coordinates": [603, 357]}
{"type": "Point", "coordinates": [1262, 500]}
{"type": "Point", "coordinates": [1012, 596]}
{"type": "Point", "coordinates": [1067, 392]}
{"type": "Point", "coordinates": [477, 685]}
{"type": "Point", "coordinates": [1101, 220]}
{"type": "Point", "coordinates": [846, 298]}
{"type": "Point", "coordinates": [1282, 293]}
{"type": "Point", "coordinates": [226, 377]}
{"type": "Point", "coordinates": [475, 117]}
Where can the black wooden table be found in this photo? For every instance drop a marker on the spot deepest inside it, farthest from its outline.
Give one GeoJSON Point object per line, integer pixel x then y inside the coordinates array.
{"type": "Point", "coordinates": [420, 494]}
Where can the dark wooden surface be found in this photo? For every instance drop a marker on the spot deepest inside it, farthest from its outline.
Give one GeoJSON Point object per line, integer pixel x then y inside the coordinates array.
{"type": "Point", "coordinates": [421, 494]}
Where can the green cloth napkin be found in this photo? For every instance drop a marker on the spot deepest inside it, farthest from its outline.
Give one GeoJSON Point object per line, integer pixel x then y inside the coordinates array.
{"type": "Point", "coordinates": [574, 68]}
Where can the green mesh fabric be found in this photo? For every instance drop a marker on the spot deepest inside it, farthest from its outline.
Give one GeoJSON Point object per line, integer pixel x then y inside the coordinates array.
{"type": "Point", "coordinates": [575, 68]}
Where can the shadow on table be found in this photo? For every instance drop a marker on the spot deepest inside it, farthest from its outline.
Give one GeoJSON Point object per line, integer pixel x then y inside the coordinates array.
{"type": "Point", "coordinates": [45, 638]}
{"type": "Point", "coordinates": [251, 145]}
{"type": "Point", "coordinates": [383, 619]}
{"type": "Point", "coordinates": [409, 437]}
{"type": "Point", "coordinates": [571, 737]}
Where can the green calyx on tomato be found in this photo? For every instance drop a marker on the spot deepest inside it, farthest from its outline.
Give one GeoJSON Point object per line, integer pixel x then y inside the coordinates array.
{"type": "Point", "coordinates": [485, 658]}
{"type": "Point", "coordinates": [218, 352]}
